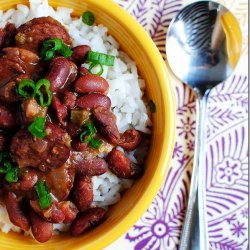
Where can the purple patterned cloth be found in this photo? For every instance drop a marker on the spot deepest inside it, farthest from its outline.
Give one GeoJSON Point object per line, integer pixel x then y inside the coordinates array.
{"type": "Point", "coordinates": [227, 149]}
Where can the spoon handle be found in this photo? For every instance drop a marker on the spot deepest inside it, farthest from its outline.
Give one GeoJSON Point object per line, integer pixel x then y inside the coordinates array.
{"type": "Point", "coordinates": [198, 181]}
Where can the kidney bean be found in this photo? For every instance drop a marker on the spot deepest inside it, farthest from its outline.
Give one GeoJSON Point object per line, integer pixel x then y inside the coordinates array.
{"type": "Point", "coordinates": [106, 124]}
{"type": "Point", "coordinates": [69, 99]}
{"type": "Point", "coordinates": [79, 146]}
{"type": "Point", "coordinates": [69, 209]}
{"type": "Point", "coordinates": [82, 71]}
{"type": "Point", "coordinates": [51, 214]}
{"type": "Point", "coordinates": [121, 166]}
{"type": "Point", "coordinates": [62, 72]}
{"type": "Point", "coordinates": [73, 72]}
{"type": "Point", "coordinates": [91, 83]}
{"type": "Point", "coordinates": [73, 129]}
{"type": "Point", "coordinates": [7, 120]}
{"type": "Point", "coordinates": [2, 141]}
{"type": "Point", "coordinates": [80, 53]}
{"type": "Point", "coordinates": [16, 215]}
{"type": "Point", "coordinates": [87, 220]}
{"type": "Point", "coordinates": [61, 110]}
{"type": "Point", "coordinates": [28, 181]}
{"type": "Point", "coordinates": [92, 101]}
{"type": "Point", "coordinates": [83, 193]}
{"type": "Point", "coordinates": [90, 167]}
{"type": "Point", "coordinates": [41, 230]}
{"type": "Point", "coordinates": [130, 139]}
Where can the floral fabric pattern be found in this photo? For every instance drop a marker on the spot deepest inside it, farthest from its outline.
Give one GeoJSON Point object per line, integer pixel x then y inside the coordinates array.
{"type": "Point", "coordinates": [227, 148]}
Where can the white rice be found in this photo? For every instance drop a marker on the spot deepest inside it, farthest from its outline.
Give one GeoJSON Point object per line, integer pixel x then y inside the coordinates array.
{"type": "Point", "coordinates": [126, 93]}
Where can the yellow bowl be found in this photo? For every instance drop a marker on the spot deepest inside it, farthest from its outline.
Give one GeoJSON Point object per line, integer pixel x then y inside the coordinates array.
{"type": "Point", "coordinates": [135, 41]}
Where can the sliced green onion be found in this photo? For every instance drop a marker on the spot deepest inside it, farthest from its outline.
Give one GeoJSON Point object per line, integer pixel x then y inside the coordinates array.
{"type": "Point", "coordinates": [7, 167]}
{"type": "Point", "coordinates": [66, 51]}
{"type": "Point", "coordinates": [43, 194]}
{"type": "Point", "coordinates": [49, 55]}
{"type": "Point", "coordinates": [11, 175]}
{"type": "Point", "coordinates": [37, 127]}
{"type": "Point", "coordinates": [89, 132]}
{"type": "Point", "coordinates": [93, 66]}
{"type": "Point", "coordinates": [101, 58]}
{"type": "Point", "coordinates": [88, 18]}
{"type": "Point", "coordinates": [52, 46]}
{"type": "Point", "coordinates": [94, 143]}
{"type": "Point", "coordinates": [26, 88]}
{"type": "Point", "coordinates": [3, 156]}
{"type": "Point", "coordinates": [152, 106]}
{"type": "Point", "coordinates": [46, 84]}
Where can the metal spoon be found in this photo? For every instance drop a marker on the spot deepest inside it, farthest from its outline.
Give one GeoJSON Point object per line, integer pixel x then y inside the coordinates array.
{"type": "Point", "coordinates": [203, 47]}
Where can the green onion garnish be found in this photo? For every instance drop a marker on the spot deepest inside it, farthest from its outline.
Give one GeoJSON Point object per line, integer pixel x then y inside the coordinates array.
{"type": "Point", "coordinates": [37, 127]}
{"type": "Point", "coordinates": [46, 90]}
{"type": "Point", "coordinates": [8, 168]}
{"type": "Point", "coordinates": [26, 88]}
{"type": "Point", "coordinates": [152, 106]}
{"type": "Point", "coordinates": [52, 46]}
{"type": "Point", "coordinates": [88, 133]}
{"type": "Point", "coordinates": [43, 194]}
{"type": "Point", "coordinates": [88, 18]}
{"type": "Point", "coordinates": [94, 143]}
{"type": "Point", "coordinates": [87, 136]}
{"type": "Point", "coordinates": [11, 175]}
{"type": "Point", "coordinates": [66, 51]}
{"type": "Point", "coordinates": [93, 66]}
{"type": "Point", "coordinates": [100, 58]}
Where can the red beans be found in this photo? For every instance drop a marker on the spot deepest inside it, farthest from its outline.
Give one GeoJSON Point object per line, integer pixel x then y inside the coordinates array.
{"type": "Point", "coordinates": [79, 146]}
{"type": "Point", "coordinates": [87, 220]}
{"type": "Point", "coordinates": [69, 209]}
{"type": "Point", "coordinates": [41, 230]}
{"type": "Point", "coordinates": [92, 101]}
{"type": "Point", "coordinates": [130, 139]}
{"type": "Point", "coordinates": [121, 166]}
{"type": "Point", "coordinates": [91, 83]}
{"type": "Point", "coordinates": [80, 53]}
{"type": "Point", "coordinates": [61, 110]}
{"type": "Point", "coordinates": [69, 100]}
{"type": "Point", "coordinates": [90, 167]}
{"type": "Point", "coordinates": [7, 120]}
{"type": "Point", "coordinates": [106, 124]}
{"type": "Point", "coordinates": [51, 214]}
{"type": "Point", "coordinates": [62, 72]}
{"type": "Point", "coordinates": [83, 193]}
{"type": "Point", "coordinates": [83, 71]}
{"type": "Point", "coordinates": [73, 129]}
{"type": "Point", "coordinates": [16, 215]}
{"type": "Point", "coordinates": [28, 181]}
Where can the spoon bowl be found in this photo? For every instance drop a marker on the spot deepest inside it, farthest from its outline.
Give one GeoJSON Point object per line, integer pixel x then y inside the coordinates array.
{"type": "Point", "coordinates": [203, 44]}
{"type": "Point", "coordinates": [203, 47]}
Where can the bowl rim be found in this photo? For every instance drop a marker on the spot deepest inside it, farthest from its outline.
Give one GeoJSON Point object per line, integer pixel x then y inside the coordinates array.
{"type": "Point", "coordinates": [168, 98]}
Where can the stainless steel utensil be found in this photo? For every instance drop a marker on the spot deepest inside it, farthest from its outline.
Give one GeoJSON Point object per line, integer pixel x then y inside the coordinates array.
{"type": "Point", "coordinates": [203, 47]}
